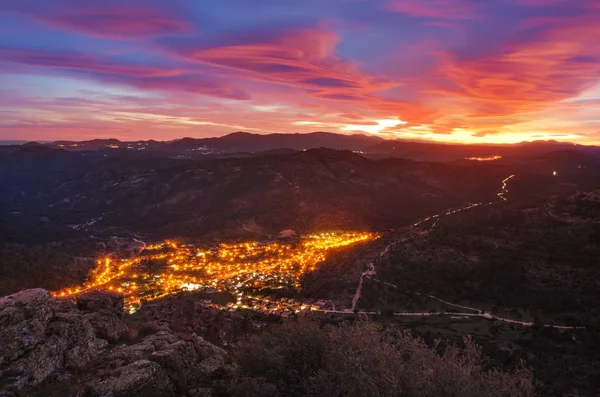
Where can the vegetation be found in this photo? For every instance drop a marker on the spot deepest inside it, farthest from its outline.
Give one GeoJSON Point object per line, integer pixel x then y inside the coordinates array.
{"type": "Point", "coordinates": [299, 358]}
{"type": "Point", "coordinates": [50, 266]}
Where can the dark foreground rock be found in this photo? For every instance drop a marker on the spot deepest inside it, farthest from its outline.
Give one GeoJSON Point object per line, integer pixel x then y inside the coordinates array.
{"type": "Point", "coordinates": [53, 344]}
{"type": "Point", "coordinates": [96, 301]}
{"type": "Point", "coordinates": [39, 339]}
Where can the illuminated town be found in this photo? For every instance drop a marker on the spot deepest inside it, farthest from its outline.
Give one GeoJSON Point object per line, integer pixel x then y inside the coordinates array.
{"type": "Point", "coordinates": [248, 271]}
{"type": "Point", "coordinates": [489, 158]}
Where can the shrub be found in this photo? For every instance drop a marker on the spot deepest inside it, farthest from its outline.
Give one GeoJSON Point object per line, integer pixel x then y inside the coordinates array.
{"type": "Point", "coordinates": [360, 360]}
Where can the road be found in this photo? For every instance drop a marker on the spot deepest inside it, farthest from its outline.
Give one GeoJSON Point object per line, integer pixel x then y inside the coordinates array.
{"type": "Point", "coordinates": [371, 271]}
{"type": "Point", "coordinates": [144, 245]}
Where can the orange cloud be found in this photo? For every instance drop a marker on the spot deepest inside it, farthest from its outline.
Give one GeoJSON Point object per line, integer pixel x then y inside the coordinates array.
{"type": "Point", "coordinates": [527, 76]}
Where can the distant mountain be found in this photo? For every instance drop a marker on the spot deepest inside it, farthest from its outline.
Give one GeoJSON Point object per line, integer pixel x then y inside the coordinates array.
{"type": "Point", "coordinates": [12, 142]}
{"type": "Point", "coordinates": [235, 142]}
{"type": "Point", "coordinates": [246, 142]}
{"type": "Point", "coordinates": [423, 151]}
{"type": "Point", "coordinates": [101, 144]}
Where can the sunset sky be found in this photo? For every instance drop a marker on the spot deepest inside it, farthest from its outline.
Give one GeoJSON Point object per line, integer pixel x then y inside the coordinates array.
{"type": "Point", "coordinates": [473, 71]}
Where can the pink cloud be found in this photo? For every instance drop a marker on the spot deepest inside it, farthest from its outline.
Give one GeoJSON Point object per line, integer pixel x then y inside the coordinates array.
{"type": "Point", "coordinates": [438, 9]}
{"type": "Point", "coordinates": [300, 58]}
{"type": "Point", "coordinates": [78, 61]}
{"type": "Point", "coordinates": [145, 77]}
{"type": "Point", "coordinates": [116, 23]}
{"type": "Point", "coordinates": [304, 60]}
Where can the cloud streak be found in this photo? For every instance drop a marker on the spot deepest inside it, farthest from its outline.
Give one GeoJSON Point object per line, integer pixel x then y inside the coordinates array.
{"type": "Point", "coordinates": [117, 23]}
{"type": "Point", "coordinates": [303, 58]}
{"type": "Point", "coordinates": [447, 70]}
{"type": "Point", "coordinates": [528, 76]}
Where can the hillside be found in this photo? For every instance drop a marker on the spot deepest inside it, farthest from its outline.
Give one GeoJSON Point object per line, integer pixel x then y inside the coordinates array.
{"type": "Point", "coordinates": [521, 264]}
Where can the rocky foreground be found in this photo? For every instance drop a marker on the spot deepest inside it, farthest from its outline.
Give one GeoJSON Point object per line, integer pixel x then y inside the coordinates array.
{"type": "Point", "coordinates": [87, 349]}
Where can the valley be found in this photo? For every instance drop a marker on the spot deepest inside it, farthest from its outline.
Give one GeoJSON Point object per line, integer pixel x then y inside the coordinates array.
{"type": "Point", "coordinates": [230, 247]}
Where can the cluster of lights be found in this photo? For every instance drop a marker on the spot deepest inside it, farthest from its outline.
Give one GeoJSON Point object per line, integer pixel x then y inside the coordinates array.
{"type": "Point", "coordinates": [489, 158]}
{"type": "Point", "coordinates": [248, 271]}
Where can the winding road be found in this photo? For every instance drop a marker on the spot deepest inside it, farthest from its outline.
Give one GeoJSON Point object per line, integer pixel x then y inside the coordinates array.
{"type": "Point", "coordinates": [144, 245]}
{"type": "Point", "coordinates": [371, 271]}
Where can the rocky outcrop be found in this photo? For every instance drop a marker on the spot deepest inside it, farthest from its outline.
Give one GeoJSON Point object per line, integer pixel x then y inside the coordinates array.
{"type": "Point", "coordinates": [23, 320]}
{"type": "Point", "coordinates": [96, 301]}
{"type": "Point", "coordinates": [41, 337]}
{"type": "Point", "coordinates": [45, 339]}
{"type": "Point", "coordinates": [141, 378]}
{"type": "Point", "coordinates": [104, 310]}
{"type": "Point", "coordinates": [107, 325]}
{"type": "Point", "coordinates": [188, 364]}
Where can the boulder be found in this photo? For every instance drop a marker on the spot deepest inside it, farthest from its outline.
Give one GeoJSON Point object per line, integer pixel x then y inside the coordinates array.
{"type": "Point", "coordinates": [180, 361]}
{"type": "Point", "coordinates": [143, 379]}
{"type": "Point", "coordinates": [95, 301]}
{"type": "Point", "coordinates": [140, 379]}
{"type": "Point", "coordinates": [78, 336]}
{"type": "Point", "coordinates": [211, 365]}
{"type": "Point", "coordinates": [212, 358]}
{"type": "Point", "coordinates": [144, 348]}
{"type": "Point", "coordinates": [202, 392]}
{"type": "Point", "coordinates": [107, 325]}
{"type": "Point", "coordinates": [188, 363]}
{"type": "Point", "coordinates": [45, 339]}
{"type": "Point", "coordinates": [101, 344]}
{"type": "Point", "coordinates": [40, 337]}
{"type": "Point", "coordinates": [69, 343]}
{"type": "Point", "coordinates": [206, 349]}
{"type": "Point", "coordinates": [33, 368]}
{"type": "Point", "coordinates": [23, 320]}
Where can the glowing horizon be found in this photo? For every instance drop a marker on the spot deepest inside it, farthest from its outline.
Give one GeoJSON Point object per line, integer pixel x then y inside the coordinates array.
{"type": "Point", "coordinates": [455, 71]}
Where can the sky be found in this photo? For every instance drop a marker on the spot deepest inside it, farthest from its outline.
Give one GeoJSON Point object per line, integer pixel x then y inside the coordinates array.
{"type": "Point", "coordinates": [468, 71]}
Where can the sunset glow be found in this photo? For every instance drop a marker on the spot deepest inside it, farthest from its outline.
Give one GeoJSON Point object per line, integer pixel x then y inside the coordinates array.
{"type": "Point", "coordinates": [464, 71]}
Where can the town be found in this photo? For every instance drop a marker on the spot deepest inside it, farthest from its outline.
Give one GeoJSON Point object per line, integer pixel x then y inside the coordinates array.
{"type": "Point", "coordinates": [243, 270]}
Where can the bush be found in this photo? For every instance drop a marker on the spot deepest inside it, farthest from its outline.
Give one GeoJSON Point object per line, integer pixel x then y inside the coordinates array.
{"type": "Point", "coordinates": [301, 359]}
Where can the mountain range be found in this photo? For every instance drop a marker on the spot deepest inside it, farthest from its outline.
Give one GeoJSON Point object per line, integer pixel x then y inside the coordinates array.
{"type": "Point", "coordinates": [243, 143]}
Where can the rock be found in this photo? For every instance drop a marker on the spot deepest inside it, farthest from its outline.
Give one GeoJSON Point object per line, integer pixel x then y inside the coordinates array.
{"type": "Point", "coordinates": [38, 342]}
{"type": "Point", "coordinates": [43, 339]}
{"type": "Point", "coordinates": [69, 343]}
{"type": "Point", "coordinates": [36, 366]}
{"type": "Point", "coordinates": [161, 340]}
{"type": "Point", "coordinates": [180, 361]}
{"type": "Point", "coordinates": [94, 301]}
{"type": "Point", "coordinates": [131, 353]}
{"type": "Point", "coordinates": [78, 336]}
{"type": "Point", "coordinates": [143, 379]}
{"type": "Point", "coordinates": [23, 319]}
{"type": "Point", "coordinates": [63, 305]}
{"type": "Point", "coordinates": [206, 349]}
{"type": "Point", "coordinates": [107, 325]}
{"type": "Point", "coordinates": [210, 365]}
{"type": "Point", "coordinates": [187, 363]}
{"type": "Point", "coordinates": [101, 344]}
{"type": "Point", "coordinates": [144, 348]}
{"type": "Point", "coordinates": [203, 392]}
{"type": "Point", "coordinates": [212, 357]}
